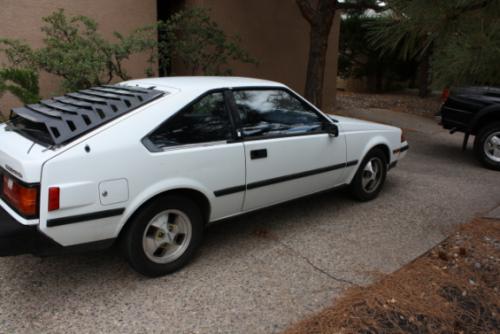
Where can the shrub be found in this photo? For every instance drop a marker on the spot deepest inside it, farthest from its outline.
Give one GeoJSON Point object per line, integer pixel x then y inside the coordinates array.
{"type": "Point", "coordinates": [22, 83]}
{"type": "Point", "coordinates": [75, 50]}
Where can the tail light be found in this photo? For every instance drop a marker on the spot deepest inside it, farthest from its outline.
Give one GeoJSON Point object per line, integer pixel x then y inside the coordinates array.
{"type": "Point", "coordinates": [445, 94]}
{"type": "Point", "coordinates": [22, 198]}
{"type": "Point", "coordinates": [403, 137]}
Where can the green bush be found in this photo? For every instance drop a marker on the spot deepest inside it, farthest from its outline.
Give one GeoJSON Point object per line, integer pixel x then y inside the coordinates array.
{"type": "Point", "coordinates": [75, 50]}
{"type": "Point", "coordinates": [192, 37]}
{"type": "Point", "coordinates": [22, 83]}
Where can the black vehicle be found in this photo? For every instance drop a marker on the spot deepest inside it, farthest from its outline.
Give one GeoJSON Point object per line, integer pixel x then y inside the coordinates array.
{"type": "Point", "coordinates": [475, 111]}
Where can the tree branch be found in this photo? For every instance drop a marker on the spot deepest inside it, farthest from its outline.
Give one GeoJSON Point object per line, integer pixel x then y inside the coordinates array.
{"type": "Point", "coordinates": [306, 9]}
{"type": "Point", "coordinates": [364, 4]}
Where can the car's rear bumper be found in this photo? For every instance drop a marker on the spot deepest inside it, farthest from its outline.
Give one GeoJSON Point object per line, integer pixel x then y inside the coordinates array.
{"type": "Point", "coordinates": [16, 238]}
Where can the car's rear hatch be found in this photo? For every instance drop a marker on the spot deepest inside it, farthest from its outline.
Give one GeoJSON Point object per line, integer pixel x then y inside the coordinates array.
{"type": "Point", "coordinates": [36, 131]}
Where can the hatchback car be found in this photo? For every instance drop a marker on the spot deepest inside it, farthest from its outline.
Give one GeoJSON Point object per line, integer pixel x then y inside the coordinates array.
{"type": "Point", "coordinates": [148, 163]}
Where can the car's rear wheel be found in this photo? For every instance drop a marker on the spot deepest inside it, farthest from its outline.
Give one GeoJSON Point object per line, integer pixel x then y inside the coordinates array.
{"type": "Point", "coordinates": [487, 146]}
{"type": "Point", "coordinates": [163, 236]}
{"type": "Point", "coordinates": [370, 177]}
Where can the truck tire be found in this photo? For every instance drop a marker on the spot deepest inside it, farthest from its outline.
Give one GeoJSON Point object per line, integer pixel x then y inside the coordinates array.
{"type": "Point", "coordinates": [163, 236]}
{"type": "Point", "coordinates": [370, 177]}
{"type": "Point", "coordinates": [487, 146]}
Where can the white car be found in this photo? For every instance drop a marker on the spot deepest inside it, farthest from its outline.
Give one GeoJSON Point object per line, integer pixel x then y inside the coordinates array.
{"type": "Point", "coordinates": [148, 163]}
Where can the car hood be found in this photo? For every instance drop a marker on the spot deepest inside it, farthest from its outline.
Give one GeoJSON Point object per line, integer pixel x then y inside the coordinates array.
{"type": "Point", "coordinates": [354, 124]}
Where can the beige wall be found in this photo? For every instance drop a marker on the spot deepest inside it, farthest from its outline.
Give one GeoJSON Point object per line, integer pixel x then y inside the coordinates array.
{"type": "Point", "coordinates": [275, 33]}
{"type": "Point", "coordinates": [23, 19]}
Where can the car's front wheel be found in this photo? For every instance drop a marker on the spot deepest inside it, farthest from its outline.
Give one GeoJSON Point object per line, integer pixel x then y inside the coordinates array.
{"type": "Point", "coordinates": [370, 177]}
{"type": "Point", "coordinates": [163, 236]}
{"type": "Point", "coordinates": [487, 146]}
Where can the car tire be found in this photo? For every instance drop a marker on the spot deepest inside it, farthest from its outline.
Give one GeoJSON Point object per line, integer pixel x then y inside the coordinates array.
{"type": "Point", "coordinates": [370, 177]}
{"type": "Point", "coordinates": [164, 236]}
{"type": "Point", "coordinates": [487, 137]}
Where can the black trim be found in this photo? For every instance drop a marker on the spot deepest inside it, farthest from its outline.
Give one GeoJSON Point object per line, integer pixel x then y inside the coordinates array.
{"type": "Point", "coordinates": [401, 149]}
{"type": "Point", "coordinates": [263, 183]}
{"type": "Point", "coordinates": [84, 217]}
{"type": "Point", "coordinates": [266, 137]}
{"type": "Point", "coordinates": [285, 178]}
{"type": "Point", "coordinates": [351, 163]}
{"type": "Point", "coordinates": [252, 211]}
{"type": "Point", "coordinates": [228, 191]}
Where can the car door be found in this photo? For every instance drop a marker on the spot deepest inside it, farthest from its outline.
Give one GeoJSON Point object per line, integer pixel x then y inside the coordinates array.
{"type": "Point", "coordinates": [287, 150]}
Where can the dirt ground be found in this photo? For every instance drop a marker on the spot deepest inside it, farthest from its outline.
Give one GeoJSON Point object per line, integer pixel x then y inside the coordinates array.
{"type": "Point", "coordinates": [453, 288]}
{"type": "Point", "coordinates": [401, 102]}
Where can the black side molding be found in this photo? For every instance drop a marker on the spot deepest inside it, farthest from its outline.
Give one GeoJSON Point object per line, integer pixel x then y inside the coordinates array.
{"type": "Point", "coordinates": [84, 217]}
{"type": "Point", "coordinates": [229, 191]}
{"type": "Point", "coordinates": [401, 149]}
{"type": "Point", "coordinates": [284, 178]}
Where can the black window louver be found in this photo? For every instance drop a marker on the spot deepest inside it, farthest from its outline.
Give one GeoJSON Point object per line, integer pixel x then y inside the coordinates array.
{"type": "Point", "coordinates": [68, 117]}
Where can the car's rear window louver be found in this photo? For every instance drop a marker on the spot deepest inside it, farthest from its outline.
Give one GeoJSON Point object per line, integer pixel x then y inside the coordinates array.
{"type": "Point", "coordinates": [74, 114]}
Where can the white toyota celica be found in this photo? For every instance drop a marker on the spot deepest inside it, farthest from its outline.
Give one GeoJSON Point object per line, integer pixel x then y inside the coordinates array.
{"type": "Point", "coordinates": [148, 163]}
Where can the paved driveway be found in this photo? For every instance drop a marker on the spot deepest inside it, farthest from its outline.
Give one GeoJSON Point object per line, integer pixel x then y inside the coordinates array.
{"type": "Point", "coordinates": [259, 273]}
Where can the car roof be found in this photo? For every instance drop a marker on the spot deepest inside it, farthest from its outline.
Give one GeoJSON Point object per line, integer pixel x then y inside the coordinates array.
{"type": "Point", "coordinates": [200, 82]}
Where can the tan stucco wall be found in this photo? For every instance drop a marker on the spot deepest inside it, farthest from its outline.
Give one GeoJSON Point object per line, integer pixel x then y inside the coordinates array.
{"type": "Point", "coordinates": [275, 33]}
{"type": "Point", "coordinates": [23, 19]}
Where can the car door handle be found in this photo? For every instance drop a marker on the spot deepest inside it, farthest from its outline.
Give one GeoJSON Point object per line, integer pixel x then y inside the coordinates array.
{"type": "Point", "coordinates": [258, 154]}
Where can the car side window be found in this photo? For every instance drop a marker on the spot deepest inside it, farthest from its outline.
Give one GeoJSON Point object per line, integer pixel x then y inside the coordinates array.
{"type": "Point", "coordinates": [274, 112]}
{"type": "Point", "coordinates": [206, 120]}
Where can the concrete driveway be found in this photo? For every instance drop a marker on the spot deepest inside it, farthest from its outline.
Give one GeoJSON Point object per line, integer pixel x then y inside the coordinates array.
{"type": "Point", "coordinates": [259, 273]}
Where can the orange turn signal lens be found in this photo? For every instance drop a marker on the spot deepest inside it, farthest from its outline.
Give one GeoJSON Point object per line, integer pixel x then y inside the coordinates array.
{"type": "Point", "coordinates": [22, 198]}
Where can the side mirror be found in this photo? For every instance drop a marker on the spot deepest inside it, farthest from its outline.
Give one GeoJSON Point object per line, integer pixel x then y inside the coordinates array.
{"type": "Point", "coordinates": [331, 129]}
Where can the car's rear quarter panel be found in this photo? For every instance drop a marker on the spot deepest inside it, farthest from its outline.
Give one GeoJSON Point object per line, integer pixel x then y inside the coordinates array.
{"type": "Point", "coordinates": [117, 153]}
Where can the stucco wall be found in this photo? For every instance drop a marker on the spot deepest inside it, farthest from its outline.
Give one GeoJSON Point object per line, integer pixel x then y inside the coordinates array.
{"type": "Point", "coordinates": [23, 19]}
{"type": "Point", "coordinates": [275, 33]}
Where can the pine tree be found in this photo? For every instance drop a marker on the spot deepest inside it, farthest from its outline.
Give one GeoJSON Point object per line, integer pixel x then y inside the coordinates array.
{"type": "Point", "coordinates": [458, 39]}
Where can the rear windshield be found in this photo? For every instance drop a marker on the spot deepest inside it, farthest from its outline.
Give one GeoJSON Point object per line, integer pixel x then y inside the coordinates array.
{"type": "Point", "coordinates": [60, 120]}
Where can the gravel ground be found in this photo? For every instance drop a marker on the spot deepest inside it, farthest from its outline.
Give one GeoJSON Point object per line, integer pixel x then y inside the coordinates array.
{"type": "Point", "coordinates": [400, 102]}
{"type": "Point", "coordinates": [259, 273]}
